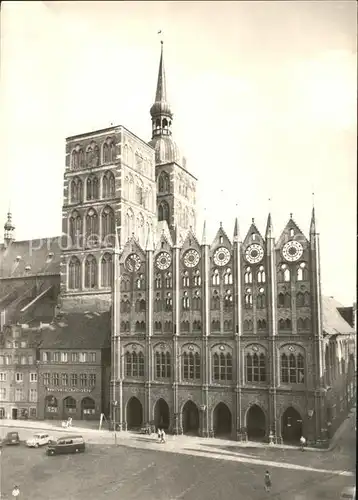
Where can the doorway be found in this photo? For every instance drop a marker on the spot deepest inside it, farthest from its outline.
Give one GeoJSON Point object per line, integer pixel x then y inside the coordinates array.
{"type": "Point", "coordinates": [222, 420]}
{"type": "Point", "coordinates": [14, 413]}
{"type": "Point", "coordinates": [161, 414]}
{"type": "Point", "coordinates": [255, 423]}
{"type": "Point", "coordinates": [190, 418]}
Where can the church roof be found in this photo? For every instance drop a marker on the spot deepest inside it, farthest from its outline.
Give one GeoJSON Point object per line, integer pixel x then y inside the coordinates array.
{"type": "Point", "coordinates": [30, 257]}
{"type": "Point", "coordinates": [78, 331]}
{"type": "Point", "coordinates": [333, 321]}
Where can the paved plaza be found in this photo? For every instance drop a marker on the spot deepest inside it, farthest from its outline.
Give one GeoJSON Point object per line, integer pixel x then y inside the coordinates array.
{"type": "Point", "coordinates": [138, 467]}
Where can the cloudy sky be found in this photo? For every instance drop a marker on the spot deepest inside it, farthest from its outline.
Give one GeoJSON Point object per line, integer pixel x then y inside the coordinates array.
{"type": "Point", "coordinates": [264, 96]}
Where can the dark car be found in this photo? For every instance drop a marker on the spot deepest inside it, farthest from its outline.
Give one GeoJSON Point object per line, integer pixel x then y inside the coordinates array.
{"type": "Point", "coordinates": [66, 444]}
{"type": "Point", "coordinates": [11, 438]}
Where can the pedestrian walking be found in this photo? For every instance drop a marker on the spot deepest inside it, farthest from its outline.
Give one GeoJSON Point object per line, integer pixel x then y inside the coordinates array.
{"type": "Point", "coordinates": [268, 482]}
{"type": "Point", "coordinates": [16, 491]}
{"type": "Point", "coordinates": [159, 435]}
{"type": "Point", "coordinates": [302, 443]}
{"type": "Point", "coordinates": [162, 438]}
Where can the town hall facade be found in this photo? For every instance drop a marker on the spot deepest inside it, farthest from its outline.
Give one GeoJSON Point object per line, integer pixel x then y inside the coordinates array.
{"type": "Point", "coordinates": [231, 337]}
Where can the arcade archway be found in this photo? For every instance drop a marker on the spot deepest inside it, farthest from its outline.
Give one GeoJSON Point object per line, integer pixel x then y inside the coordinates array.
{"type": "Point", "coordinates": [190, 418]}
{"type": "Point", "coordinates": [161, 414]}
{"type": "Point", "coordinates": [291, 426]}
{"type": "Point", "coordinates": [255, 423]}
{"type": "Point", "coordinates": [134, 413]}
{"type": "Point", "coordinates": [222, 420]}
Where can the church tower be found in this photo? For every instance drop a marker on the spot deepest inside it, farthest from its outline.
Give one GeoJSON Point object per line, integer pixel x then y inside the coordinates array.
{"type": "Point", "coordinates": [176, 186]}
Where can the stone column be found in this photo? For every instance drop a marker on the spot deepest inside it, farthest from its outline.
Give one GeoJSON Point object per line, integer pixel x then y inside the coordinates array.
{"type": "Point", "coordinates": [176, 417]}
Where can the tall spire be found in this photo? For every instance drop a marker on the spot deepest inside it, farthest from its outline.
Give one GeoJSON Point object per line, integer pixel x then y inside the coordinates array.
{"type": "Point", "coordinates": [313, 228]}
{"type": "Point", "coordinates": [161, 93]}
{"type": "Point", "coordinates": [203, 239]}
{"type": "Point", "coordinates": [269, 227]}
{"type": "Point", "coordinates": [236, 231]}
{"type": "Point", "coordinates": [160, 111]}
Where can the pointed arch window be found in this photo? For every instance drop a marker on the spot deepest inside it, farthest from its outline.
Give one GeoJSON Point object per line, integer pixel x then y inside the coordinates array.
{"type": "Point", "coordinates": [168, 327]}
{"type": "Point", "coordinates": [125, 326]}
{"type": "Point", "coordinates": [163, 212]}
{"type": "Point", "coordinates": [261, 324]}
{"type": "Point", "coordinates": [261, 299]}
{"type": "Point", "coordinates": [168, 302]}
{"type": "Point", "coordinates": [125, 306]}
{"type": "Point", "coordinates": [228, 302]}
{"type": "Point", "coordinates": [191, 366]}
{"type": "Point", "coordinates": [106, 270]}
{"type": "Point", "coordinates": [196, 302]}
{"type": "Point", "coordinates": [158, 281]}
{"type": "Point", "coordinates": [108, 185]}
{"type": "Point", "coordinates": [75, 227]}
{"type": "Point", "coordinates": [163, 364]}
{"type": "Point", "coordinates": [292, 369]}
{"type": "Point", "coordinates": [248, 325]}
{"type": "Point", "coordinates": [140, 305]}
{"type": "Point", "coordinates": [261, 275]}
{"type": "Point", "coordinates": [134, 364]}
{"type": "Point", "coordinates": [90, 272]}
{"type": "Point", "coordinates": [248, 275]}
{"type": "Point", "coordinates": [196, 325]}
{"type": "Point", "coordinates": [228, 325]}
{"type": "Point", "coordinates": [92, 187]}
{"type": "Point", "coordinates": [248, 298]}
{"type": "Point", "coordinates": [284, 324]}
{"type": "Point", "coordinates": [91, 226]}
{"type": "Point", "coordinates": [302, 272]}
{"type": "Point", "coordinates": [299, 299]}
{"type": "Point", "coordinates": [284, 274]}
{"type": "Point", "coordinates": [81, 158]}
{"type": "Point", "coordinates": [228, 277]}
{"type": "Point", "coordinates": [74, 274]}
{"type": "Point", "coordinates": [108, 151]}
{"type": "Point", "coordinates": [139, 326]}
{"type": "Point", "coordinates": [215, 301]}
{"type": "Point", "coordinates": [168, 280]}
{"type": "Point", "coordinates": [108, 226]}
{"type": "Point", "coordinates": [164, 183]}
{"type": "Point", "coordinates": [185, 301]}
{"type": "Point", "coordinates": [255, 367]}
{"type": "Point", "coordinates": [215, 325]}
{"type": "Point", "coordinates": [186, 279]}
{"type": "Point", "coordinates": [197, 278]}
{"type": "Point", "coordinates": [185, 326]}
{"type": "Point", "coordinates": [157, 305]}
{"type": "Point", "coordinates": [76, 190]}
{"type": "Point", "coordinates": [74, 160]}
{"type": "Point", "coordinates": [157, 326]}
{"type": "Point", "coordinates": [222, 367]}
{"type": "Point", "coordinates": [215, 278]}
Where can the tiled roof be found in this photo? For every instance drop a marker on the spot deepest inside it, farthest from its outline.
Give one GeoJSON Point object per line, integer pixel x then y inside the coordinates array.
{"type": "Point", "coordinates": [78, 331]}
{"type": "Point", "coordinates": [30, 257]}
{"type": "Point", "coordinates": [333, 322]}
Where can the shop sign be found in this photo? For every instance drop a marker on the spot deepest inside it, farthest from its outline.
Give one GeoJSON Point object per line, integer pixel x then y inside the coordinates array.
{"type": "Point", "coordinates": [69, 389]}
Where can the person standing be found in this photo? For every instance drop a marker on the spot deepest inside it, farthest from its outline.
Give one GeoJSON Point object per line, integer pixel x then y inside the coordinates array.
{"type": "Point", "coordinates": [268, 482]}
{"type": "Point", "coordinates": [302, 443]}
{"type": "Point", "coordinates": [162, 440]}
{"type": "Point", "coordinates": [159, 435]}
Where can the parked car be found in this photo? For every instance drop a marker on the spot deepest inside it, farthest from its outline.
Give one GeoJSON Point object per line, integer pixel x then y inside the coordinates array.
{"type": "Point", "coordinates": [348, 493]}
{"type": "Point", "coordinates": [11, 438]}
{"type": "Point", "coordinates": [67, 444]}
{"type": "Point", "coordinates": [38, 439]}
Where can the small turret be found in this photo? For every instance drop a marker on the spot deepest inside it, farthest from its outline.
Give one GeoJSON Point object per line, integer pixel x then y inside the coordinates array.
{"type": "Point", "coordinates": [204, 239]}
{"type": "Point", "coordinates": [313, 226]}
{"type": "Point", "coordinates": [9, 229]}
{"type": "Point", "coordinates": [236, 231]}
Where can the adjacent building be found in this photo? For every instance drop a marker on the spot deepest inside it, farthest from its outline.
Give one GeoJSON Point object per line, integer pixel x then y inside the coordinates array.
{"type": "Point", "coordinates": [19, 372]}
{"type": "Point", "coordinates": [74, 367]}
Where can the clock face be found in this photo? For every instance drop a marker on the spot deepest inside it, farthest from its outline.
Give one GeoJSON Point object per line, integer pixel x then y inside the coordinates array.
{"type": "Point", "coordinates": [133, 262]}
{"type": "Point", "coordinates": [191, 258]}
{"type": "Point", "coordinates": [221, 256]}
{"type": "Point", "coordinates": [292, 251]}
{"type": "Point", "coordinates": [254, 253]}
{"type": "Point", "coordinates": [163, 260]}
